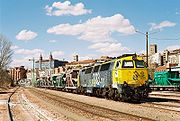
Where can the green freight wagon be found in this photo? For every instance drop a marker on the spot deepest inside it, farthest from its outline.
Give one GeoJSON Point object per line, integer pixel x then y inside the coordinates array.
{"type": "Point", "coordinates": [58, 80]}
{"type": "Point", "coordinates": [166, 80]}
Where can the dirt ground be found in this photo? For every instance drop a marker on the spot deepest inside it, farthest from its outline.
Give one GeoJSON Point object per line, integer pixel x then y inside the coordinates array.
{"type": "Point", "coordinates": [4, 95]}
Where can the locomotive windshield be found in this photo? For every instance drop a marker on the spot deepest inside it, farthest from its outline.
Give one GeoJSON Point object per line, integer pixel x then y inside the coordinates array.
{"type": "Point", "coordinates": [128, 64]}
{"type": "Point", "coordinates": [140, 64]}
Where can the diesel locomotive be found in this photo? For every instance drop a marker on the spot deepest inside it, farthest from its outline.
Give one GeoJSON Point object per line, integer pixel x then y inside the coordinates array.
{"type": "Point", "coordinates": [124, 78]}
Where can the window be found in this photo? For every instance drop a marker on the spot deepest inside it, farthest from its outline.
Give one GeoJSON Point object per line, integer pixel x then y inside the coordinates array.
{"type": "Point", "coordinates": [128, 64]}
{"type": "Point", "coordinates": [87, 71]}
{"type": "Point", "coordinates": [74, 74]}
{"type": "Point", "coordinates": [105, 67]}
{"type": "Point", "coordinates": [140, 64]}
{"type": "Point", "coordinates": [118, 64]}
{"type": "Point", "coordinates": [96, 68]}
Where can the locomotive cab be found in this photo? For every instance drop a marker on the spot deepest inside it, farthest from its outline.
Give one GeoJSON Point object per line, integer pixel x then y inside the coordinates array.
{"type": "Point", "coordinates": [130, 77]}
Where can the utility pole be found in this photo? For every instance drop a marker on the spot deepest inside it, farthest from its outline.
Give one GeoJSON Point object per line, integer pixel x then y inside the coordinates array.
{"type": "Point", "coordinates": [147, 44]}
{"type": "Point", "coordinates": [147, 48]}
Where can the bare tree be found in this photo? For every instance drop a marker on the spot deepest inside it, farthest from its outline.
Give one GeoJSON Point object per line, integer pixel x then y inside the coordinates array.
{"type": "Point", "coordinates": [5, 60]}
{"type": "Point", "coordinates": [5, 52]}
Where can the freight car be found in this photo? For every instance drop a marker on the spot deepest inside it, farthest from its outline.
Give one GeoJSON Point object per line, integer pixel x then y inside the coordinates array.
{"type": "Point", "coordinates": [166, 80]}
{"type": "Point", "coordinates": [124, 78]}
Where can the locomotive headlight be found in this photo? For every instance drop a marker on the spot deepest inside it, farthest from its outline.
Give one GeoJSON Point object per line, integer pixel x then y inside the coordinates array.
{"type": "Point", "coordinates": [125, 84]}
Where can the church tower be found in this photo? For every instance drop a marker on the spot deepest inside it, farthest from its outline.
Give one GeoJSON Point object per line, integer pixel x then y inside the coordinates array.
{"type": "Point", "coordinates": [50, 60]}
{"type": "Point", "coordinates": [40, 62]}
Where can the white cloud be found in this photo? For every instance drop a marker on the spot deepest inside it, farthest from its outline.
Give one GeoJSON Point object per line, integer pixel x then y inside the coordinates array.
{"type": "Point", "coordinates": [29, 52]}
{"type": "Point", "coordinates": [26, 35]}
{"type": "Point", "coordinates": [162, 25]}
{"type": "Point", "coordinates": [98, 30]}
{"type": "Point", "coordinates": [173, 47]}
{"type": "Point", "coordinates": [52, 41]}
{"type": "Point", "coordinates": [110, 48]}
{"type": "Point", "coordinates": [142, 52]}
{"type": "Point", "coordinates": [88, 56]}
{"type": "Point", "coordinates": [57, 54]}
{"type": "Point", "coordinates": [21, 62]}
{"type": "Point", "coordinates": [14, 47]}
{"type": "Point", "coordinates": [66, 8]}
{"type": "Point", "coordinates": [177, 13]}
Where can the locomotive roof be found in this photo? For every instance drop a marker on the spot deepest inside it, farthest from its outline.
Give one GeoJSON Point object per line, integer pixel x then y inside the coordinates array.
{"type": "Point", "coordinates": [125, 56]}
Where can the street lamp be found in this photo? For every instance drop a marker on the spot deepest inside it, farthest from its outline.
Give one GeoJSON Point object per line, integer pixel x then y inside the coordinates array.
{"type": "Point", "coordinates": [33, 79]}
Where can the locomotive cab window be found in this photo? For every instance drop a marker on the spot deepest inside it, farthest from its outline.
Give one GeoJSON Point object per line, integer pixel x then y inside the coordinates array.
{"type": "Point", "coordinates": [105, 67]}
{"type": "Point", "coordinates": [140, 64]}
{"type": "Point", "coordinates": [118, 64]}
{"type": "Point", "coordinates": [87, 71]}
{"type": "Point", "coordinates": [128, 64]}
{"type": "Point", "coordinates": [96, 68]}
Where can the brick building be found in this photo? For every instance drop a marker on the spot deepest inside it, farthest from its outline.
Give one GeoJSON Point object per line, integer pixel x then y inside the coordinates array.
{"type": "Point", "coordinates": [17, 73]}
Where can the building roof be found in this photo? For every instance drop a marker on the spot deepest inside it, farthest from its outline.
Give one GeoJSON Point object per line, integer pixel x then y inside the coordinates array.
{"type": "Point", "coordinates": [47, 60]}
{"type": "Point", "coordinates": [81, 62]}
{"type": "Point", "coordinates": [161, 68]}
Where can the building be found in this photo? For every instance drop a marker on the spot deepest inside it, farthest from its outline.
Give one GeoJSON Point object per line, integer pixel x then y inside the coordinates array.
{"type": "Point", "coordinates": [174, 57]}
{"type": "Point", "coordinates": [171, 57]}
{"type": "Point", "coordinates": [152, 49]}
{"type": "Point", "coordinates": [45, 67]}
{"type": "Point", "coordinates": [165, 57]}
{"type": "Point", "coordinates": [155, 59]}
{"type": "Point", "coordinates": [76, 58]}
{"type": "Point", "coordinates": [17, 73]}
{"type": "Point", "coordinates": [43, 64]}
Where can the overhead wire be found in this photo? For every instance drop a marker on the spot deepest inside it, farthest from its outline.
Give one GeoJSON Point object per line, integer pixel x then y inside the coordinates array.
{"type": "Point", "coordinates": [137, 31]}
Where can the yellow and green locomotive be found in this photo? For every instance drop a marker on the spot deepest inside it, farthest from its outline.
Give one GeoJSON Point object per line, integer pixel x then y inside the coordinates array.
{"type": "Point", "coordinates": [123, 78]}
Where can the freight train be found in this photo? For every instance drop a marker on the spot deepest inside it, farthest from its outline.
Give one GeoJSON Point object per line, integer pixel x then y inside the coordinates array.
{"type": "Point", "coordinates": [123, 78]}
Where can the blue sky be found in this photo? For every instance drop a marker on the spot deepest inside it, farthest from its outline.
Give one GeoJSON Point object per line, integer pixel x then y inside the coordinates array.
{"type": "Point", "coordinates": [88, 28]}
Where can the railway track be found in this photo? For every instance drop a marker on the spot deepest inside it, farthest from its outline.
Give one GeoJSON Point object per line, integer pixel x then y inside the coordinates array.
{"type": "Point", "coordinates": [163, 101]}
{"type": "Point", "coordinates": [163, 107]}
{"type": "Point", "coordinates": [166, 95]}
{"type": "Point", "coordinates": [8, 104]}
{"type": "Point", "coordinates": [87, 108]}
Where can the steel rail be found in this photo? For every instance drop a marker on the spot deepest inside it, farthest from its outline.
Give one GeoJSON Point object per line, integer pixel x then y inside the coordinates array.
{"type": "Point", "coordinates": [8, 103]}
